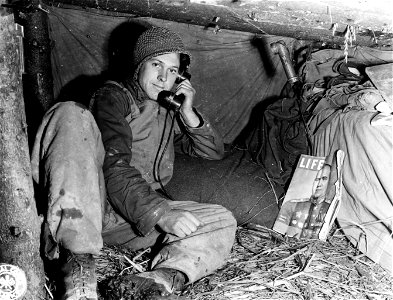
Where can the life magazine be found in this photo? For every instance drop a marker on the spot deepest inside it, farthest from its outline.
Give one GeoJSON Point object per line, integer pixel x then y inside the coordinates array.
{"type": "Point", "coordinates": [313, 198]}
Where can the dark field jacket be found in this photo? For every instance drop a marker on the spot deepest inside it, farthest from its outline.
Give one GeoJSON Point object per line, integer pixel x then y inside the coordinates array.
{"type": "Point", "coordinates": [133, 129]}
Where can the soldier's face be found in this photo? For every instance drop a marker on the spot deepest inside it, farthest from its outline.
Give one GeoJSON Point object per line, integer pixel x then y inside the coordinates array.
{"type": "Point", "coordinates": [159, 73]}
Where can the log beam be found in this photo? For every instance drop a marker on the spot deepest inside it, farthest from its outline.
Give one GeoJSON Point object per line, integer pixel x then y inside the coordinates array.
{"type": "Point", "coordinates": [280, 18]}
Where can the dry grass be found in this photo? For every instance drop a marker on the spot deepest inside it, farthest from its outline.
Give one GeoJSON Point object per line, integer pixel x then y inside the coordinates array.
{"type": "Point", "coordinates": [263, 265]}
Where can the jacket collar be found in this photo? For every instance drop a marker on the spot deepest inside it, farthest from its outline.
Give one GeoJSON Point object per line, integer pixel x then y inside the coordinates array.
{"type": "Point", "coordinates": [136, 91]}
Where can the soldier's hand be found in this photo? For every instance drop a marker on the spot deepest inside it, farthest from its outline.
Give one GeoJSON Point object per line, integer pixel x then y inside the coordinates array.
{"type": "Point", "coordinates": [179, 222]}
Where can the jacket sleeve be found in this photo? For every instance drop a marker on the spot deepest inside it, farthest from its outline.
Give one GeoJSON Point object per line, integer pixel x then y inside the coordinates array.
{"type": "Point", "coordinates": [202, 141]}
{"type": "Point", "coordinates": [127, 191]}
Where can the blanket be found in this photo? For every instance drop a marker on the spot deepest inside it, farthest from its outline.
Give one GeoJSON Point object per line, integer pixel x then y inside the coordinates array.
{"type": "Point", "coordinates": [344, 120]}
{"type": "Point", "coordinates": [235, 182]}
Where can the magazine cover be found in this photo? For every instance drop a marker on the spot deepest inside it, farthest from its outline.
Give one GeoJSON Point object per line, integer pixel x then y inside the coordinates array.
{"type": "Point", "coordinates": [313, 198]}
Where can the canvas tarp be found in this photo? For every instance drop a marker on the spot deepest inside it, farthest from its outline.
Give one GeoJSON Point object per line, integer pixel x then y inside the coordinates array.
{"type": "Point", "coordinates": [231, 71]}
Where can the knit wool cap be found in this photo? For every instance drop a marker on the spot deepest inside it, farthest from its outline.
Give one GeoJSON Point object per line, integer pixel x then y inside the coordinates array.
{"type": "Point", "coordinates": [156, 41]}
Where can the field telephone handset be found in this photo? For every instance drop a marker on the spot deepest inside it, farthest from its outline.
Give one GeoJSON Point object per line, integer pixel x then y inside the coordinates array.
{"type": "Point", "coordinates": [169, 99]}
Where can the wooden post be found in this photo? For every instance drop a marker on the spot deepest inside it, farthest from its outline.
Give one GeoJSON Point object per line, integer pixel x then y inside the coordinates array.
{"type": "Point", "coordinates": [19, 222]}
{"type": "Point", "coordinates": [37, 78]}
{"type": "Point", "coordinates": [37, 57]}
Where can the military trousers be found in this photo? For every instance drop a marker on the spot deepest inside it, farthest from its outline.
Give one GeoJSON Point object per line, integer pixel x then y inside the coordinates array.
{"type": "Point", "coordinates": [67, 161]}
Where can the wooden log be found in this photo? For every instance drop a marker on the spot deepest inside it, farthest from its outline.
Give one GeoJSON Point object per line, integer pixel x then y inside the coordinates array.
{"type": "Point", "coordinates": [37, 77]}
{"type": "Point", "coordinates": [38, 71]}
{"type": "Point", "coordinates": [260, 17]}
{"type": "Point", "coordinates": [19, 222]}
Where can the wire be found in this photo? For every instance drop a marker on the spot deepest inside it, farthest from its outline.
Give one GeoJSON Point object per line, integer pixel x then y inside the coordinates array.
{"type": "Point", "coordinates": [156, 165]}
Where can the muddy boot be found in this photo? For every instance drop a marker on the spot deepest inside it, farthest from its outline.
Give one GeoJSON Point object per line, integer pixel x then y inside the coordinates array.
{"type": "Point", "coordinates": [79, 278]}
{"type": "Point", "coordinates": [153, 285]}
